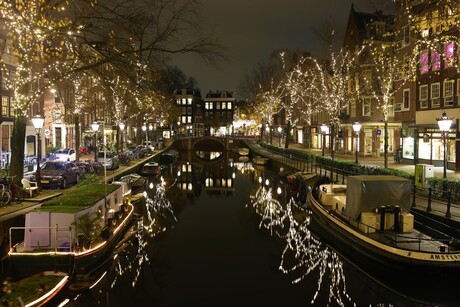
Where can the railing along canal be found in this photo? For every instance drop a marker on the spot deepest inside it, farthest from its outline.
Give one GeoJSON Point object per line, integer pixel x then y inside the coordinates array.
{"type": "Point", "coordinates": [421, 197]}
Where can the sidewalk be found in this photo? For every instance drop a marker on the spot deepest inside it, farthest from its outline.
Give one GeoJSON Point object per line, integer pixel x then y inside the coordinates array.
{"type": "Point", "coordinates": [409, 168]}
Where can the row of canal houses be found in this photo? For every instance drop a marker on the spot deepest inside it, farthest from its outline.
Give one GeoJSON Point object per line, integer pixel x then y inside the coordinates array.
{"type": "Point", "coordinates": [417, 103]}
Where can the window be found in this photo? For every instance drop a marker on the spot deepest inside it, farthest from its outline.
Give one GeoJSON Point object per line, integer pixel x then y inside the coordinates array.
{"type": "Point", "coordinates": [391, 107]}
{"type": "Point", "coordinates": [449, 55]}
{"type": "Point", "coordinates": [423, 96]}
{"type": "Point", "coordinates": [178, 101]}
{"type": "Point", "coordinates": [406, 99]}
{"type": "Point", "coordinates": [217, 105]}
{"type": "Point", "coordinates": [448, 93]}
{"type": "Point", "coordinates": [57, 116]}
{"type": "Point", "coordinates": [5, 106]}
{"type": "Point", "coordinates": [367, 79]}
{"type": "Point", "coordinates": [435, 94]}
{"type": "Point", "coordinates": [458, 90]}
{"type": "Point", "coordinates": [189, 101]}
{"type": "Point", "coordinates": [189, 119]}
{"type": "Point", "coordinates": [229, 105]}
{"type": "Point", "coordinates": [184, 101]}
{"type": "Point", "coordinates": [424, 64]}
{"type": "Point", "coordinates": [224, 105]}
{"type": "Point", "coordinates": [367, 107]}
{"type": "Point", "coordinates": [435, 60]}
{"type": "Point", "coordinates": [209, 106]}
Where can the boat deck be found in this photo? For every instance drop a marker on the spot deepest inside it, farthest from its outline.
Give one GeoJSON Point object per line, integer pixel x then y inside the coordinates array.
{"type": "Point", "coordinates": [415, 241]}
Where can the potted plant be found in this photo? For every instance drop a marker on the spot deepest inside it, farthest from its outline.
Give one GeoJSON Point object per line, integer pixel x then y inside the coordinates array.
{"type": "Point", "coordinates": [88, 227]}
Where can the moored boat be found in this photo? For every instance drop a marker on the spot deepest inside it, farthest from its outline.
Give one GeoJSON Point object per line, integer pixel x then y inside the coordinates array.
{"type": "Point", "coordinates": [243, 151]}
{"type": "Point", "coordinates": [150, 169]}
{"type": "Point", "coordinates": [369, 220]}
{"type": "Point", "coordinates": [135, 182]}
{"type": "Point", "coordinates": [261, 160]}
{"type": "Point", "coordinates": [63, 247]}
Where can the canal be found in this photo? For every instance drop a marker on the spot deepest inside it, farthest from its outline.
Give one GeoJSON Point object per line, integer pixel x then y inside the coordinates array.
{"type": "Point", "coordinates": [218, 231]}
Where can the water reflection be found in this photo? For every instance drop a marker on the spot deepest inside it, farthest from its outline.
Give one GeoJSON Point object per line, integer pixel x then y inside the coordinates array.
{"type": "Point", "coordinates": [303, 253]}
{"type": "Point", "coordinates": [144, 270]}
{"type": "Point", "coordinates": [209, 155]}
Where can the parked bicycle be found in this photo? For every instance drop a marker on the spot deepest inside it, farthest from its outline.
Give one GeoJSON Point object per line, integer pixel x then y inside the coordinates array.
{"type": "Point", "coordinates": [5, 195]}
{"type": "Point", "coordinates": [17, 193]}
{"type": "Point", "coordinates": [398, 155]}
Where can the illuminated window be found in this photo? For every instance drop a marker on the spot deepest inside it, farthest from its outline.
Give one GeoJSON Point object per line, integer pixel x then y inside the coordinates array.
{"type": "Point", "coordinates": [189, 101]}
{"type": "Point", "coordinates": [435, 60]}
{"type": "Point", "coordinates": [449, 54]}
{"type": "Point", "coordinates": [423, 96]}
{"type": "Point", "coordinates": [424, 64]}
{"type": "Point", "coordinates": [435, 94]}
{"type": "Point", "coordinates": [5, 108]}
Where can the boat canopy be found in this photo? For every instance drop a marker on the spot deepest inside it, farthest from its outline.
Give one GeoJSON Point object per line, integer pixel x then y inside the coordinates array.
{"type": "Point", "coordinates": [367, 193]}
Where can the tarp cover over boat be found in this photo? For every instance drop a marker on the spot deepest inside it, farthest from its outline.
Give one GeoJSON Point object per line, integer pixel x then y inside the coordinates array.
{"type": "Point", "coordinates": [366, 193]}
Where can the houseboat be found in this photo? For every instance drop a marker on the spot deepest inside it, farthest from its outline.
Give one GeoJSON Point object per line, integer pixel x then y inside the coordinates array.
{"type": "Point", "coordinates": [68, 235]}
{"type": "Point", "coordinates": [369, 221]}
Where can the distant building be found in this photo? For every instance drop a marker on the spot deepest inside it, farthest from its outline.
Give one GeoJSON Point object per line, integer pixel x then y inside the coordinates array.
{"type": "Point", "coordinates": [191, 118]}
{"type": "Point", "coordinates": [218, 113]}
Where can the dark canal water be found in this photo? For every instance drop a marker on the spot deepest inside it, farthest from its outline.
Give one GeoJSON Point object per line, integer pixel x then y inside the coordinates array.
{"type": "Point", "coordinates": [223, 233]}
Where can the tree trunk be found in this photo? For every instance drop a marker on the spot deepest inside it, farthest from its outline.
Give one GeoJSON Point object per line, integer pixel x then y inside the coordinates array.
{"type": "Point", "coordinates": [288, 134]}
{"type": "Point", "coordinates": [17, 147]}
{"type": "Point", "coordinates": [77, 136]}
{"type": "Point", "coordinates": [385, 145]}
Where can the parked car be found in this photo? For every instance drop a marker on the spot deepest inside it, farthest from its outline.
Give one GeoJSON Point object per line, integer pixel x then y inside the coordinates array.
{"type": "Point", "coordinates": [58, 174]}
{"type": "Point", "coordinates": [66, 154]}
{"type": "Point", "coordinates": [109, 159]}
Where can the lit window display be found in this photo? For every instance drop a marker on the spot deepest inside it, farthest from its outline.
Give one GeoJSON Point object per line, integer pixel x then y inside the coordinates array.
{"type": "Point", "coordinates": [408, 148]}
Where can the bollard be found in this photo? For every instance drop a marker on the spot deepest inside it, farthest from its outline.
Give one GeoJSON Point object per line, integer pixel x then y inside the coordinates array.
{"type": "Point", "coordinates": [449, 196]}
{"type": "Point", "coordinates": [428, 208]}
{"type": "Point", "coordinates": [382, 218]}
{"type": "Point", "coordinates": [414, 189]}
{"type": "Point", "coordinates": [397, 210]}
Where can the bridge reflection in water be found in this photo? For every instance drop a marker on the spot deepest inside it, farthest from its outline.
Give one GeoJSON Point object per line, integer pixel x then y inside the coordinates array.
{"type": "Point", "coordinates": [230, 232]}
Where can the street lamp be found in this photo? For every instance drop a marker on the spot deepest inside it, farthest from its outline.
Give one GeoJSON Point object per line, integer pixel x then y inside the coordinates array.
{"type": "Point", "coordinates": [122, 127]}
{"type": "Point", "coordinates": [95, 127]}
{"type": "Point", "coordinates": [444, 124]}
{"type": "Point", "coordinates": [38, 122]}
{"type": "Point", "coordinates": [356, 129]}
{"type": "Point", "coordinates": [144, 128]}
{"type": "Point", "coordinates": [279, 132]}
{"type": "Point", "coordinates": [324, 130]}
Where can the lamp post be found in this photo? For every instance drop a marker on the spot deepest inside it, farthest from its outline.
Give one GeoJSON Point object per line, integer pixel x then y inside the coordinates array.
{"type": "Point", "coordinates": [324, 130]}
{"type": "Point", "coordinates": [95, 127]}
{"type": "Point", "coordinates": [356, 129]}
{"type": "Point", "coordinates": [279, 139]}
{"type": "Point", "coordinates": [38, 122]}
{"type": "Point", "coordinates": [122, 128]}
{"type": "Point", "coordinates": [144, 128]}
{"type": "Point", "coordinates": [444, 124]}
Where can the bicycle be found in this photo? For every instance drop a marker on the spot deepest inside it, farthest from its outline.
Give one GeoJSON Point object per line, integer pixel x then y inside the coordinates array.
{"type": "Point", "coordinates": [17, 193]}
{"type": "Point", "coordinates": [5, 195]}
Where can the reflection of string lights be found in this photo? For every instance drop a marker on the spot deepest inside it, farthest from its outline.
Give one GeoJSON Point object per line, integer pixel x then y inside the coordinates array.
{"type": "Point", "coordinates": [308, 253]}
{"type": "Point", "coordinates": [158, 208]}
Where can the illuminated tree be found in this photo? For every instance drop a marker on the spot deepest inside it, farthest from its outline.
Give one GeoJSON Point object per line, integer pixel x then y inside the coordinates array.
{"type": "Point", "coordinates": [39, 33]}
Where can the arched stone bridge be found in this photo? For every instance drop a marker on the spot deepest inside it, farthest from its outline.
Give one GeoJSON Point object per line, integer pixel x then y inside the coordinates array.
{"type": "Point", "coordinates": [205, 143]}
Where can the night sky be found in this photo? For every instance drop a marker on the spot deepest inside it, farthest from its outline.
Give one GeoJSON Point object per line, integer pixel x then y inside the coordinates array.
{"type": "Point", "coordinates": [251, 30]}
